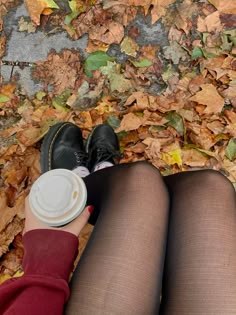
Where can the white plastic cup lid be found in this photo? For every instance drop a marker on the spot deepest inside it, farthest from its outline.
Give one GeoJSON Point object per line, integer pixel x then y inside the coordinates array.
{"type": "Point", "coordinates": [57, 197]}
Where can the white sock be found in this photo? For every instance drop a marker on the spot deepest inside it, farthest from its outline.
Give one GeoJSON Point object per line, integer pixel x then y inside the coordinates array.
{"type": "Point", "coordinates": [82, 171]}
{"type": "Point", "coordinates": [102, 165]}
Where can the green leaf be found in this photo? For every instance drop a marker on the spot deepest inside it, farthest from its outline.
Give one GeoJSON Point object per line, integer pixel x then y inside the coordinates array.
{"type": "Point", "coordinates": [207, 54]}
{"type": "Point", "coordinates": [196, 53]}
{"type": "Point", "coordinates": [59, 106]}
{"type": "Point", "coordinates": [74, 12]}
{"type": "Point", "coordinates": [122, 134]}
{"type": "Point", "coordinates": [142, 63]}
{"type": "Point", "coordinates": [231, 149]}
{"type": "Point", "coordinates": [176, 121]}
{"type": "Point", "coordinates": [96, 60]}
{"type": "Point", "coordinates": [51, 4]}
{"type": "Point", "coordinates": [4, 98]}
{"type": "Point", "coordinates": [113, 122]}
{"type": "Point", "coordinates": [40, 95]}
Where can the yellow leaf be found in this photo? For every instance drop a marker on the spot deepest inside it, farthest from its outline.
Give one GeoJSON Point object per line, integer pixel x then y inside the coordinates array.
{"type": "Point", "coordinates": [4, 277]}
{"type": "Point", "coordinates": [172, 157]}
{"type": "Point", "coordinates": [38, 7]}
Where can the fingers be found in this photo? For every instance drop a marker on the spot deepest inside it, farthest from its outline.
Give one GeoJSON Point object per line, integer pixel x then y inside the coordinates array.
{"type": "Point", "coordinates": [31, 222]}
{"type": "Point", "coordinates": [77, 225]}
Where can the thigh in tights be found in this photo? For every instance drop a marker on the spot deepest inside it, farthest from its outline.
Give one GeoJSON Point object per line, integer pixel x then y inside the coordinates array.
{"type": "Point", "coordinates": [174, 238]}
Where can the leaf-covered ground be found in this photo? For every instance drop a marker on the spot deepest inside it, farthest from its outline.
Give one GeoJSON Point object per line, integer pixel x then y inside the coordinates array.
{"type": "Point", "coordinates": [170, 95]}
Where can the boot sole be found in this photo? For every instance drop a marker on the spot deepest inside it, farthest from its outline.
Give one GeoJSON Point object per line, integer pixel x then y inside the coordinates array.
{"type": "Point", "coordinates": [47, 146]}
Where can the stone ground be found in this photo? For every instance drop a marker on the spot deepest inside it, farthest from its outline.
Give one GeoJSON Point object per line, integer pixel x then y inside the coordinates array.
{"type": "Point", "coordinates": [32, 47]}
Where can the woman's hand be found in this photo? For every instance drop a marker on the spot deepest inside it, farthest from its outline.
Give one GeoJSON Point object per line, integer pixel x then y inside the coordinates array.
{"type": "Point", "coordinates": [74, 227]}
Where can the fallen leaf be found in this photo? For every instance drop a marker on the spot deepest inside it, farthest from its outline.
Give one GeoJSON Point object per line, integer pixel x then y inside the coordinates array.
{"type": "Point", "coordinates": [231, 150]}
{"type": "Point", "coordinates": [4, 98]}
{"type": "Point", "coordinates": [228, 7]}
{"type": "Point", "coordinates": [142, 63]}
{"type": "Point", "coordinates": [117, 80]}
{"type": "Point", "coordinates": [194, 158]}
{"type": "Point", "coordinates": [153, 148]}
{"type": "Point", "coordinates": [211, 23]}
{"type": "Point", "coordinates": [25, 26]}
{"type": "Point", "coordinates": [175, 52]}
{"type": "Point", "coordinates": [172, 157]}
{"type": "Point", "coordinates": [210, 97]}
{"type": "Point", "coordinates": [130, 122]}
{"type": "Point", "coordinates": [60, 70]}
{"type": "Point", "coordinates": [159, 7]}
{"type": "Point", "coordinates": [113, 32]}
{"type": "Point", "coordinates": [176, 121]}
{"type": "Point", "coordinates": [36, 8]}
{"type": "Point", "coordinates": [95, 61]}
{"type": "Point", "coordinates": [113, 122]}
{"type": "Point", "coordinates": [129, 46]}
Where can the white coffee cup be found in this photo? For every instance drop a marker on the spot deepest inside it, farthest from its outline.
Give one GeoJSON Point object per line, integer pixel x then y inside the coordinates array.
{"type": "Point", "coordinates": [57, 197]}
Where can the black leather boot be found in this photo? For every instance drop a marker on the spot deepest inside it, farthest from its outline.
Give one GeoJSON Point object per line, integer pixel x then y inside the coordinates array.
{"type": "Point", "coordinates": [102, 145]}
{"type": "Point", "coordinates": [63, 147]}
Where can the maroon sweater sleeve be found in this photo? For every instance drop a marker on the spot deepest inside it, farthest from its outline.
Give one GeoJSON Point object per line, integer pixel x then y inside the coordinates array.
{"type": "Point", "coordinates": [47, 264]}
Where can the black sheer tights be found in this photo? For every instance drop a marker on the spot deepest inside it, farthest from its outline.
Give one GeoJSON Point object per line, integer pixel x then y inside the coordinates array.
{"type": "Point", "coordinates": [173, 237]}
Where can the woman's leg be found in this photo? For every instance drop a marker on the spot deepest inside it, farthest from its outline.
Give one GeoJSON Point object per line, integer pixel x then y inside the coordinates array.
{"type": "Point", "coordinates": [120, 271]}
{"type": "Point", "coordinates": [200, 267]}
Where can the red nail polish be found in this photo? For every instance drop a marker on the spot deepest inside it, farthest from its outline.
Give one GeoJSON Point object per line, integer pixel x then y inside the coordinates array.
{"type": "Point", "coordinates": [90, 209]}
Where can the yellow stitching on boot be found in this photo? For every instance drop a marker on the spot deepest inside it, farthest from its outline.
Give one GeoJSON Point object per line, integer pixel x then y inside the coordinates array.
{"type": "Point", "coordinates": [53, 140]}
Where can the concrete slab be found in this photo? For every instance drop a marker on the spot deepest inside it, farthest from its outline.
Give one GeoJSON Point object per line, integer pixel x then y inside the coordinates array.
{"type": "Point", "coordinates": [25, 47]}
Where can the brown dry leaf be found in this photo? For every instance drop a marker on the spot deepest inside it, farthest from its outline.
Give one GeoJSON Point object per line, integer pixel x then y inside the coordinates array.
{"type": "Point", "coordinates": [194, 158]}
{"type": "Point", "coordinates": [84, 120]}
{"type": "Point", "coordinates": [149, 52]}
{"type": "Point", "coordinates": [211, 23]}
{"type": "Point", "coordinates": [228, 7]}
{"type": "Point", "coordinates": [32, 134]}
{"type": "Point", "coordinates": [216, 127]}
{"type": "Point", "coordinates": [231, 116]}
{"type": "Point", "coordinates": [7, 213]}
{"type": "Point", "coordinates": [3, 41]}
{"type": "Point", "coordinates": [38, 7]}
{"type": "Point", "coordinates": [159, 7]}
{"type": "Point", "coordinates": [107, 34]}
{"type": "Point", "coordinates": [210, 97]}
{"type": "Point", "coordinates": [60, 70]}
{"type": "Point", "coordinates": [137, 148]}
{"type": "Point", "coordinates": [183, 15]}
{"type": "Point", "coordinates": [130, 122]}
{"type": "Point", "coordinates": [153, 148]}
{"type": "Point", "coordinates": [9, 232]}
{"type": "Point", "coordinates": [204, 139]}
{"type": "Point", "coordinates": [141, 98]}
